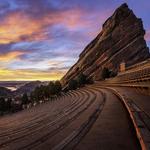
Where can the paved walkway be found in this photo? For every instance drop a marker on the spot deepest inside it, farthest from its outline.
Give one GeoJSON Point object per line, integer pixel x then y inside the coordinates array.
{"type": "Point", "coordinates": [142, 99]}
{"type": "Point", "coordinates": [112, 130]}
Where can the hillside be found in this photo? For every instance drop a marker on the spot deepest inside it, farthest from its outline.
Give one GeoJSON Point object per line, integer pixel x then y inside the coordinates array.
{"type": "Point", "coordinates": [121, 39]}
{"type": "Point", "coordinates": [4, 92]}
{"type": "Point", "coordinates": [28, 87]}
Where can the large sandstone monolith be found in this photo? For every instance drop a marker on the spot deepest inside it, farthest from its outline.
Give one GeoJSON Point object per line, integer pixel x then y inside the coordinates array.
{"type": "Point", "coordinates": [121, 39]}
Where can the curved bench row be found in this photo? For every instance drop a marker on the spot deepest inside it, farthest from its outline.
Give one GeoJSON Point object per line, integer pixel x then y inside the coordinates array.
{"type": "Point", "coordinates": [140, 119]}
{"type": "Point", "coordinates": [13, 121]}
{"type": "Point", "coordinates": [79, 101]}
{"type": "Point", "coordinates": [70, 116]}
{"type": "Point", "coordinates": [36, 120]}
{"type": "Point", "coordinates": [142, 74]}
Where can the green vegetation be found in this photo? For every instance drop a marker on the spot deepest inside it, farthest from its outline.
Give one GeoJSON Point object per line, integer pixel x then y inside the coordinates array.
{"type": "Point", "coordinates": [40, 93]}
{"type": "Point", "coordinates": [5, 105]}
{"type": "Point", "coordinates": [80, 81]}
{"type": "Point", "coordinates": [25, 99]}
{"type": "Point", "coordinates": [2, 104]}
{"type": "Point", "coordinates": [45, 92]}
{"type": "Point", "coordinates": [58, 87]}
{"type": "Point", "coordinates": [106, 73]}
{"type": "Point", "coordinates": [4, 92]}
{"type": "Point", "coordinates": [73, 84]}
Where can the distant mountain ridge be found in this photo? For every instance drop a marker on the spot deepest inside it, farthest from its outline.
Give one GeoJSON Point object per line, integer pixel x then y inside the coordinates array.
{"type": "Point", "coordinates": [121, 39]}
{"type": "Point", "coordinates": [15, 84]}
{"type": "Point", "coordinates": [4, 92]}
{"type": "Point", "coordinates": [23, 87]}
{"type": "Point", "coordinates": [28, 87]}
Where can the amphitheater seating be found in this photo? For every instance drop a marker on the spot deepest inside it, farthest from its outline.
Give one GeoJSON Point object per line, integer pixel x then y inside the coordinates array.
{"type": "Point", "coordinates": [134, 74]}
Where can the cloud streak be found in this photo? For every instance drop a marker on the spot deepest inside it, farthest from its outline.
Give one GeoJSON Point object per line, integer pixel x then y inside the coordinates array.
{"type": "Point", "coordinates": [11, 56]}
{"type": "Point", "coordinates": [29, 75]}
{"type": "Point", "coordinates": [41, 39]}
{"type": "Point", "coordinates": [19, 26]}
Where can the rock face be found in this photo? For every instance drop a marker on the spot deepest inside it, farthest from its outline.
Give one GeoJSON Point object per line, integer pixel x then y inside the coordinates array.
{"type": "Point", "coordinates": [121, 39]}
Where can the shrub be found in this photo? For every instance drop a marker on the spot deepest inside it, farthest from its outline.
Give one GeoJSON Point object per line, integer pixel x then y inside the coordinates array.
{"type": "Point", "coordinates": [90, 80]}
{"type": "Point", "coordinates": [82, 79]}
{"type": "Point", "coordinates": [2, 105]}
{"type": "Point", "coordinates": [51, 88]}
{"type": "Point", "coordinates": [112, 74]}
{"type": "Point", "coordinates": [58, 87]}
{"type": "Point", "coordinates": [73, 84]}
{"type": "Point", "coordinates": [25, 99]}
{"type": "Point", "coordinates": [105, 73]}
{"type": "Point", "coordinates": [5, 105]}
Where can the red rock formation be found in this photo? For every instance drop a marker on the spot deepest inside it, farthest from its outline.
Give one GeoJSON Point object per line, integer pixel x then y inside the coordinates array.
{"type": "Point", "coordinates": [121, 38]}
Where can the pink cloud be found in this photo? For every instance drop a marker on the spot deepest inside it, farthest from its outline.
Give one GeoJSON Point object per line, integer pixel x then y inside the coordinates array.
{"type": "Point", "coordinates": [147, 35]}
{"type": "Point", "coordinates": [19, 26]}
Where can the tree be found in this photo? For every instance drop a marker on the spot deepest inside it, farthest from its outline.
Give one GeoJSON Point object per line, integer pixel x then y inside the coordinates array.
{"type": "Point", "coordinates": [5, 105]}
{"type": "Point", "coordinates": [41, 92]}
{"type": "Point", "coordinates": [105, 73]}
{"type": "Point", "coordinates": [8, 104]}
{"type": "Point", "coordinates": [51, 87]}
{"type": "Point", "coordinates": [32, 96]}
{"type": "Point", "coordinates": [82, 79]}
{"type": "Point", "coordinates": [38, 94]}
{"type": "Point", "coordinates": [2, 105]}
{"type": "Point", "coordinates": [73, 84]}
{"type": "Point", "coordinates": [58, 87]}
{"type": "Point", "coordinates": [25, 99]}
{"type": "Point", "coordinates": [16, 107]}
{"type": "Point", "coordinates": [47, 91]}
{"type": "Point", "coordinates": [90, 80]}
{"type": "Point", "coordinates": [112, 74]}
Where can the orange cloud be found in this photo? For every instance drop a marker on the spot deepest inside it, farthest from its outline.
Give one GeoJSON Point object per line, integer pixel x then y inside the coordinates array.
{"type": "Point", "coordinates": [19, 26]}
{"type": "Point", "coordinates": [15, 26]}
{"type": "Point", "coordinates": [10, 56]}
{"type": "Point", "coordinates": [6, 75]}
{"type": "Point", "coordinates": [70, 18]}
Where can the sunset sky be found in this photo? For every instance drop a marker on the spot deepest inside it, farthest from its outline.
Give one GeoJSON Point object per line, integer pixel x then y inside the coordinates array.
{"type": "Point", "coordinates": [41, 39]}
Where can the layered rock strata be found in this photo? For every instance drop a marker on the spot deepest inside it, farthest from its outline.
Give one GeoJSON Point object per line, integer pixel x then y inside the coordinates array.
{"type": "Point", "coordinates": [121, 39]}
